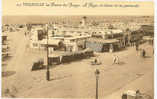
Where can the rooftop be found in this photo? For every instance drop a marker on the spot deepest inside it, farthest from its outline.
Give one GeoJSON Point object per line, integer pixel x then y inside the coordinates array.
{"type": "Point", "coordinates": [102, 40]}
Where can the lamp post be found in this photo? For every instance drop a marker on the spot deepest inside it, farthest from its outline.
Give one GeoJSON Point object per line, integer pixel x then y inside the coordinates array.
{"type": "Point", "coordinates": [97, 72]}
{"type": "Point", "coordinates": [48, 71]}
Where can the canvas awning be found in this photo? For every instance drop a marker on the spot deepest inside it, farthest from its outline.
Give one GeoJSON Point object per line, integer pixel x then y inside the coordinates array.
{"type": "Point", "coordinates": [102, 40]}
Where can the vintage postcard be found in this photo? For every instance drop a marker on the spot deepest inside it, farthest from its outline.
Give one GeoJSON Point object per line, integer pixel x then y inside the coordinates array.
{"type": "Point", "coordinates": [83, 49]}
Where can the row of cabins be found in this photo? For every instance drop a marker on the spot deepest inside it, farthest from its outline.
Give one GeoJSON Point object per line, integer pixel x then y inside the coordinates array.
{"type": "Point", "coordinates": [65, 42]}
{"type": "Point", "coordinates": [73, 42]}
{"type": "Point", "coordinates": [72, 36]}
{"type": "Point", "coordinates": [75, 38]}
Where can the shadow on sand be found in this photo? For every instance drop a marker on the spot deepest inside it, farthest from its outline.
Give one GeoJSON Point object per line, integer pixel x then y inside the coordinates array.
{"type": "Point", "coordinates": [147, 57]}
{"type": "Point", "coordinates": [121, 63]}
{"type": "Point", "coordinates": [59, 78]}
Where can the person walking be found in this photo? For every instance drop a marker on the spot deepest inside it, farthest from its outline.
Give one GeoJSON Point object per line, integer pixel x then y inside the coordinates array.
{"type": "Point", "coordinates": [115, 59]}
{"type": "Point", "coordinates": [111, 49]}
{"type": "Point", "coordinates": [138, 95]}
{"type": "Point", "coordinates": [60, 59]}
{"type": "Point", "coordinates": [143, 53]}
{"type": "Point", "coordinates": [137, 46]}
{"type": "Point", "coordinates": [95, 61]}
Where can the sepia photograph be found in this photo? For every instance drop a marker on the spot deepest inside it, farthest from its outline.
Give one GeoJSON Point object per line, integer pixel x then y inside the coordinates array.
{"type": "Point", "coordinates": [78, 57]}
{"type": "Point", "coordinates": [84, 56]}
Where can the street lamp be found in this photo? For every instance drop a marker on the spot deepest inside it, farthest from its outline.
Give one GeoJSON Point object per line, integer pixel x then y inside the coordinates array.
{"type": "Point", "coordinates": [48, 71]}
{"type": "Point", "coordinates": [97, 72]}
